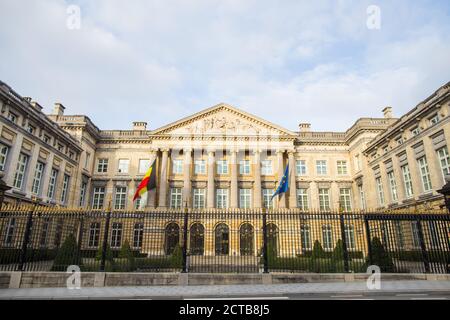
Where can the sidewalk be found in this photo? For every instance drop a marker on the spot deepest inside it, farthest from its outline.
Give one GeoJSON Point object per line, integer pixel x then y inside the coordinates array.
{"type": "Point", "coordinates": [223, 290]}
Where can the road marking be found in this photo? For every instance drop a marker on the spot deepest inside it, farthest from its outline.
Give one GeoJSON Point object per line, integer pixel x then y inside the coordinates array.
{"type": "Point", "coordinates": [430, 298]}
{"type": "Point", "coordinates": [136, 299]}
{"type": "Point", "coordinates": [241, 298]}
{"type": "Point", "coordinates": [348, 296]}
{"type": "Point", "coordinates": [411, 294]}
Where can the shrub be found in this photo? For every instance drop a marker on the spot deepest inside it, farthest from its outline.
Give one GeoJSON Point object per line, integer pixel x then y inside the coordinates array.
{"type": "Point", "coordinates": [109, 253]}
{"type": "Point", "coordinates": [318, 252]}
{"type": "Point", "coordinates": [380, 257]}
{"type": "Point", "coordinates": [176, 259]}
{"type": "Point", "coordinates": [127, 257]}
{"type": "Point", "coordinates": [67, 255]}
{"type": "Point", "coordinates": [338, 251]}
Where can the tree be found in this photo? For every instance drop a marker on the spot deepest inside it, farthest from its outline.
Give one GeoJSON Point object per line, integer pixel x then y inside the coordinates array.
{"type": "Point", "coordinates": [67, 255]}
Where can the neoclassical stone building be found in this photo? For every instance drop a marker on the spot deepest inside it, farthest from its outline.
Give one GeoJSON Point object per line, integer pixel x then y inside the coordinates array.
{"type": "Point", "coordinates": [223, 157]}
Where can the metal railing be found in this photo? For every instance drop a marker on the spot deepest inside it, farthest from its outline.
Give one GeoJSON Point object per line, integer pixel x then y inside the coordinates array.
{"type": "Point", "coordinates": [217, 241]}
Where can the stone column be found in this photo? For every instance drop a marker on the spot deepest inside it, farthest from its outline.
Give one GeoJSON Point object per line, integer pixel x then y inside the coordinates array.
{"type": "Point", "coordinates": [187, 177]}
{"type": "Point", "coordinates": [162, 201]}
{"type": "Point", "coordinates": [234, 181]}
{"type": "Point", "coordinates": [282, 197]}
{"type": "Point", "coordinates": [433, 164]}
{"type": "Point", "coordinates": [210, 195]}
{"type": "Point", "coordinates": [46, 179]}
{"type": "Point", "coordinates": [292, 182]}
{"type": "Point", "coordinates": [401, 194]}
{"type": "Point", "coordinates": [257, 192]}
{"type": "Point", "coordinates": [31, 172]}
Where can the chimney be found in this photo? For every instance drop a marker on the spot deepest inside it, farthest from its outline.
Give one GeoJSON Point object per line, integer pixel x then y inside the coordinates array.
{"type": "Point", "coordinates": [139, 126]}
{"type": "Point", "coordinates": [58, 109]}
{"type": "Point", "coordinates": [387, 112]}
{"type": "Point", "coordinates": [304, 127]}
{"type": "Point", "coordinates": [36, 105]}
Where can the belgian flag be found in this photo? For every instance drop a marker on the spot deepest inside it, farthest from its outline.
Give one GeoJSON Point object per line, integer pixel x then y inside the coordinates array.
{"type": "Point", "coordinates": [148, 182]}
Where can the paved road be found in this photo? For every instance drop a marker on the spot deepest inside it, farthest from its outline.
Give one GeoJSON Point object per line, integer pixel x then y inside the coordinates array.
{"type": "Point", "coordinates": [418, 290]}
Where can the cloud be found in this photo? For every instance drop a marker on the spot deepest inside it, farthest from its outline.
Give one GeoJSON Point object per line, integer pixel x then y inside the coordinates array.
{"type": "Point", "coordinates": [158, 61]}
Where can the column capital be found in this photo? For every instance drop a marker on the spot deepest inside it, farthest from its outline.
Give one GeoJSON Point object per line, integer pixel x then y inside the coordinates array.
{"type": "Point", "coordinates": [291, 152]}
{"type": "Point", "coordinates": [278, 151]}
{"type": "Point", "coordinates": [185, 150]}
{"type": "Point", "coordinates": [210, 150]}
{"type": "Point", "coordinates": [165, 149]}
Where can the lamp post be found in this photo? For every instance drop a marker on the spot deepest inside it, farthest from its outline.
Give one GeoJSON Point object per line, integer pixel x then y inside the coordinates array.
{"type": "Point", "coordinates": [445, 191]}
{"type": "Point", "coordinates": [3, 187]}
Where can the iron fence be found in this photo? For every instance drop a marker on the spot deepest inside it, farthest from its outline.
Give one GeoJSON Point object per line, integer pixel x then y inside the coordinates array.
{"type": "Point", "coordinates": [212, 241]}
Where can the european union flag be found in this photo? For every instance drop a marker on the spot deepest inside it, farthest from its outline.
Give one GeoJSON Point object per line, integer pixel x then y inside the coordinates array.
{"type": "Point", "coordinates": [284, 183]}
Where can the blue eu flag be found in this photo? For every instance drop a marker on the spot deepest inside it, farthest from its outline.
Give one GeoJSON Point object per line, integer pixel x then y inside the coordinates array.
{"type": "Point", "coordinates": [284, 183]}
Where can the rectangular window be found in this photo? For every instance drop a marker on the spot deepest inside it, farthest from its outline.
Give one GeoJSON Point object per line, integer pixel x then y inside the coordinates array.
{"type": "Point", "coordinates": [267, 198]}
{"type": "Point", "coordinates": [138, 235]}
{"type": "Point", "coordinates": [244, 167]}
{"type": "Point", "coordinates": [415, 131]}
{"type": "Point", "coordinates": [20, 171]}
{"type": "Point", "coordinates": [222, 198]}
{"type": "Point", "coordinates": [199, 198]}
{"type": "Point", "coordinates": [3, 156]}
{"type": "Point", "coordinates": [245, 198]}
{"type": "Point", "coordinates": [83, 193]}
{"type": "Point", "coordinates": [407, 181]}
{"type": "Point", "coordinates": [324, 199]}
{"type": "Point", "coordinates": [36, 187]}
{"type": "Point", "coordinates": [94, 234]}
{"type": "Point", "coordinates": [305, 234]}
{"type": "Point", "coordinates": [144, 165]}
{"type": "Point", "coordinates": [102, 165]}
{"type": "Point", "coordinates": [444, 161]}
{"type": "Point", "coordinates": [399, 141]}
{"type": "Point", "coordinates": [98, 198]}
{"type": "Point", "coordinates": [65, 188]}
{"type": "Point", "coordinates": [342, 167]}
{"type": "Point", "coordinates": [52, 184]}
{"type": "Point", "coordinates": [301, 167]}
{"type": "Point", "coordinates": [175, 198]}
{"type": "Point", "coordinates": [380, 191]}
{"type": "Point", "coordinates": [44, 232]}
{"type": "Point", "coordinates": [434, 119]}
{"type": "Point", "coordinates": [12, 117]}
{"type": "Point", "coordinates": [120, 198]}
{"type": "Point", "coordinates": [327, 237]}
{"type": "Point", "coordinates": [266, 167]}
{"type": "Point", "coordinates": [393, 186]}
{"type": "Point", "coordinates": [9, 232]}
{"type": "Point", "coordinates": [222, 167]}
{"type": "Point", "coordinates": [350, 236]}
{"type": "Point", "coordinates": [321, 167]}
{"type": "Point", "coordinates": [116, 235]}
{"type": "Point", "coordinates": [177, 166]}
{"type": "Point", "coordinates": [123, 166]}
{"type": "Point", "coordinates": [302, 199]}
{"type": "Point", "coordinates": [362, 197]}
{"type": "Point", "coordinates": [345, 201]}
{"type": "Point", "coordinates": [200, 167]}
{"type": "Point", "coordinates": [47, 139]}
{"type": "Point", "coordinates": [60, 148]}
{"type": "Point", "coordinates": [424, 174]}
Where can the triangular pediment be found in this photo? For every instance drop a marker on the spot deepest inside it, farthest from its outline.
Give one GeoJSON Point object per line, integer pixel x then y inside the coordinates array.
{"type": "Point", "coordinates": [222, 119]}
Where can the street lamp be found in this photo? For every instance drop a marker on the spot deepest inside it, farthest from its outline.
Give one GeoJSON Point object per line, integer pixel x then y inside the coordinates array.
{"type": "Point", "coordinates": [3, 187]}
{"type": "Point", "coordinates": [445, 191]}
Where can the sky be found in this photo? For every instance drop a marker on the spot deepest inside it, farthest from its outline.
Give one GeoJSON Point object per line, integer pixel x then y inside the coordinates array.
{"type": "Point", "coordinates": [285, 61]}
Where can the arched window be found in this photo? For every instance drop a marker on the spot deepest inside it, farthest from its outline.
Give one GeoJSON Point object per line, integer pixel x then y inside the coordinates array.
{"type": "Point", "coordinates": [172, 237]}
{"type": "Point", "coordinates": [197, 239]}
{"type": "Point", "coordinates": [272, 238]}
{"type": "Point", "coordinates": [222, 233]}
{"type": "Point", "coordinates": [305, 235]}
{"type": "Point", "coordinates": [246, 239]}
